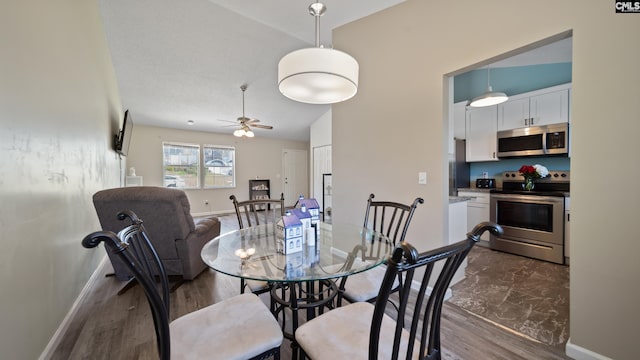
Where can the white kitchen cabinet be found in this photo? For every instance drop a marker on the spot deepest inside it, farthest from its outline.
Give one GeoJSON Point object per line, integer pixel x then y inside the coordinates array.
{"type": "Point", "coordinates": [477, 210]}
{"type": "Point", "coordinates": [540, 107]}
{"type": "Point", "coordinates": [481, 133]}
{"type": "Point", "coordinates": [459, 119]}
{"type": "Point", "coordinates": [458, 231]}
{"type": "Point", "coordinates": [457, 221]}
{"type": "Point", "coordinates": [514, 113]}
{"type": "Point", "coordinates": [457, 124]}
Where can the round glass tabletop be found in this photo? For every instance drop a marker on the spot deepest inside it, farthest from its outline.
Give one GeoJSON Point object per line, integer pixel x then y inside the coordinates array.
{"type": "Point", "coordinates": [258, 253]}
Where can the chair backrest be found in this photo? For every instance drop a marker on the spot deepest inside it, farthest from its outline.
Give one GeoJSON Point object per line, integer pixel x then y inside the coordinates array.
{"type": "Point", "coordinates": [423, 315]}
{"type": "Point", "coordinates": [258, 211]}
{"type": "Point", "coordinates": [390, 218]}
{"type": "Point", "coordinates": [133, 247]}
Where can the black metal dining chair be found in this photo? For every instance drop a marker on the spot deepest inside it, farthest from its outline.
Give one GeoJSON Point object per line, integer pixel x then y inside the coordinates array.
{"type": "Point", "coordinates": [252, 213]}
{"type": "Point", "coordinates": [386, 217]}
{"type": "Point", "coordinates": [240, 327]}
{"type": "Point", "coordinates": [414, 333]}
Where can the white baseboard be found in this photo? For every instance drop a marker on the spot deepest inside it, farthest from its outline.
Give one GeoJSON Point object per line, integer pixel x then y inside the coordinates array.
{"type": "Point", "coordinates": [213, 213]}
{"type": "Point", "coordinates": [64, 325]}
{"type": "Point", "coordinates": [579, 353]}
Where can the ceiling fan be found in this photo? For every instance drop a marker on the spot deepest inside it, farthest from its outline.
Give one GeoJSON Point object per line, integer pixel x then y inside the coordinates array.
{"type": "Point", "coordinates": [244, 123]}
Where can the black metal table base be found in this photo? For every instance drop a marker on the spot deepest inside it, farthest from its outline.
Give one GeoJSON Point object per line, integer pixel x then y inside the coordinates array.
{"type": "Point", "coordinates": [312, 296]}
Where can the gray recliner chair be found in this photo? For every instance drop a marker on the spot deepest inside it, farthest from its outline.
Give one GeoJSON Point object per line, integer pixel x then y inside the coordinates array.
{"type": "Point", "coordinates": [167, 218]}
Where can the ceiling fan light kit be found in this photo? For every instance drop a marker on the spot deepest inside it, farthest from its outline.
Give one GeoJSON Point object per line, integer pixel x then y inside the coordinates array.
{"type": "Point", "coordinates": [244, 132]}
{"type": "Point", "coordinates": [318, 75]}
{"type": "Point", "coordinates": [489, 97]}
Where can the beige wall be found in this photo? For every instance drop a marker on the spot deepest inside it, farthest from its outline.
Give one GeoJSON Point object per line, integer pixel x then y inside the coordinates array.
{"type": "Point", "coordinates": [395, 127]}
{"type": "Point", "coordinates": [58, 110]}
{"type": "Point", "coordinates": [257, 157]}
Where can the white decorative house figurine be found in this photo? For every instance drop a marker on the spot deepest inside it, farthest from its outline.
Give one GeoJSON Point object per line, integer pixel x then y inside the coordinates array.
{"type": "Point", "coordinates": [305, 218]}
{"type": "Point", "coordinates": [289, 234]}
{"type": "Point", "coordinates": [312, 208]}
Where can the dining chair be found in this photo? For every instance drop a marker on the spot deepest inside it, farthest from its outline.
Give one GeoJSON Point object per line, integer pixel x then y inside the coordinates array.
{"type": "Point", "coordinates": [414, 332]}
{"type": "Point", "coordinates": [256, 212]}
{"type": "Point", "coordinates": [240, 327]}
{"type": "Point", "coordinates": [391, 219]}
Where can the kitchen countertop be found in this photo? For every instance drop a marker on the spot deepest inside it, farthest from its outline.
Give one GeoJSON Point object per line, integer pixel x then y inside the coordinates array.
{"type": "Point", "coordinates": [473, 189]}
{"type": "Point", "coordinates": [457, 199]}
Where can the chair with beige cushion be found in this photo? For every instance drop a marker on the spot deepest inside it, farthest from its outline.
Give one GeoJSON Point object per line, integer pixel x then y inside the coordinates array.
{"type": "Point", "coordinates": [391, 219]}
{"type": "Point", "coordinates": [177, 238]}
{"type": "Point", "coordinates": [363, 330]}
{"type": "Point", "coordinates": [252, 213]}
{"type": "Point", "coordinates": [240, 327]}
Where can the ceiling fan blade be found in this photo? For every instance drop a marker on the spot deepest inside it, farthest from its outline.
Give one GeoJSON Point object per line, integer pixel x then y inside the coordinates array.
{"type": "Point", "coordinates": [228, 121]}
{"type": "Point", "coordinates": [268, 127]}
{"type": "Point", "coordinates": [252, 121]}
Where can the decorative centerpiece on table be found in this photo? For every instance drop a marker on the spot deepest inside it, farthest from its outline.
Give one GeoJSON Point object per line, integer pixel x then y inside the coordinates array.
{"type": "Point", "coordinates": [530, 172]}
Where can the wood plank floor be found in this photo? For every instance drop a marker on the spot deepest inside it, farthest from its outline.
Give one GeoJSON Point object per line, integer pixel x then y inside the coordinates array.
{"type": "Point", "coordinates": [108, 326]}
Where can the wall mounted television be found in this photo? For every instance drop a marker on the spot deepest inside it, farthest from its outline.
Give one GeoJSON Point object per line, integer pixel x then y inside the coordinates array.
{"type": "Point", "coordinates": [123, 139]}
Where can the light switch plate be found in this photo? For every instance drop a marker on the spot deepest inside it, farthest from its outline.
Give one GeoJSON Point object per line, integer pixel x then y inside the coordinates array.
{"type": "Point", "coordinates": [422, 178]}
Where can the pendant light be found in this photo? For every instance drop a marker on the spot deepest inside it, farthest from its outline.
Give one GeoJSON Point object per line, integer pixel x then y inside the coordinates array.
{"type": "Point", "coordinates": [318, 75]}
{"type": "Point", "coordinates": [489, 97]}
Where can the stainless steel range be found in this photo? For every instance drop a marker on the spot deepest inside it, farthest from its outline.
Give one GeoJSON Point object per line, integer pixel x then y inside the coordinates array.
{"type": "Point", "coordinates": [533, 221]}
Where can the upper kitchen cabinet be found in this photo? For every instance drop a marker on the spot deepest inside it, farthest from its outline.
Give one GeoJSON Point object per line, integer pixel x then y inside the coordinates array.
{"type": "Point", "coordinates": [540, 107]}
{"type": "Point", "coordinates": [481, 133]}
{"type": "Point", "coordinates": [457, 124]}
{"type": "Point", "coordinates": [459, 119]}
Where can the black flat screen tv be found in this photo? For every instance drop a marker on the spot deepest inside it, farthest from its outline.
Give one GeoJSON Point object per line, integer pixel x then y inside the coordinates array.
{"type": "Point", "coordinates": [123, 139]}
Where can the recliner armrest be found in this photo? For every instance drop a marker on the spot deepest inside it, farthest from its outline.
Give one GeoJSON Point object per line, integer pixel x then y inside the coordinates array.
{"type": "Point", "coordinates": [190, 247]}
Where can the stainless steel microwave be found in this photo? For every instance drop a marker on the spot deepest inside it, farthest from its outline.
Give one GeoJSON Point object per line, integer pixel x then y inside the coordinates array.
{"type": "Point", "coordinates": [534, 141]}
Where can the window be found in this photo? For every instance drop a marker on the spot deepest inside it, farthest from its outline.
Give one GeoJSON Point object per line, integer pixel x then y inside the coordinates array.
{"type": "Point", "coordinates": [219, 166]}
{"type": "Point", "coordinates": [181, 165]}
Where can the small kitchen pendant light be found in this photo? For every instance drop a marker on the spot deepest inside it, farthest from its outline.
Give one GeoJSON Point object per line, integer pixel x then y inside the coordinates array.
{"type": "Point", "coordinates": [489, 97]}
{"type": "Point", "coordinates": [318, 75]}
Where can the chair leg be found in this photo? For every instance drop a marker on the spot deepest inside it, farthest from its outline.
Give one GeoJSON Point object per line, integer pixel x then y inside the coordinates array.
{"type": "Point", "coordinates": [131, 283]}
{"type": "Point", "coordinates": [179, 280]}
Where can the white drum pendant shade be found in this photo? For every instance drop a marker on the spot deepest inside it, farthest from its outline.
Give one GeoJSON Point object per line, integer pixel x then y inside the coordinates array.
{"type": "Point", "coordinates": [318, 76]}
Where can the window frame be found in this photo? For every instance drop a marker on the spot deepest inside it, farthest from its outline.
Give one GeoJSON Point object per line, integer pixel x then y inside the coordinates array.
{"type": "Point", "coordinates": [224, 172]}
{"type": "Point", "coordinates": [197, 167]}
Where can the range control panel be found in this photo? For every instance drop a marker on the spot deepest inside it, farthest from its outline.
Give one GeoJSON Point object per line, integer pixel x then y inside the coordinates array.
{"type": "Point", "coordinates": [554, 176]}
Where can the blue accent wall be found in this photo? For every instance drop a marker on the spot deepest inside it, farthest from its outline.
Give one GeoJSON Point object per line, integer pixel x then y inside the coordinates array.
{"type": "Point", "coordinates": [511, 80]}
{"type": "Point", "coordinates": [495, 168]}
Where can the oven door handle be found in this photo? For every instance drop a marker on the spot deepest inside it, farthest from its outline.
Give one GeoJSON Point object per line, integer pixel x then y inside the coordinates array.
{"type": "Point", "coordinates": [528, 198]}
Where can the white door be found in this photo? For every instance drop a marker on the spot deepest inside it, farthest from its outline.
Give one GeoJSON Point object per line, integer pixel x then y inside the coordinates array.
{"type": "Point", "coordinates": [296, 175]}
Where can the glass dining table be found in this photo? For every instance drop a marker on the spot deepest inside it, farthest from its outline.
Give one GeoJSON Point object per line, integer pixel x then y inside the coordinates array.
{"type": "Point", "coordinates": [303, 280]}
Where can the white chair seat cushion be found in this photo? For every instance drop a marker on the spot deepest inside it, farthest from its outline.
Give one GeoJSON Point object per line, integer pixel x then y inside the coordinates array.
{"type": "Point", "coordinates": [256, 285]}
{"type": "Point", "coordinates": [343, 333]}
{"type": "Point", "coordinates": [365, 285]}
{"type": "Point", "coordinates": [236, 328]}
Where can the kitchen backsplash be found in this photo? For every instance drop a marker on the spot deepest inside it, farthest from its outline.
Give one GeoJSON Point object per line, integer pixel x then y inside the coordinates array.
{"type": "Point", "coordinates": [494, 169]}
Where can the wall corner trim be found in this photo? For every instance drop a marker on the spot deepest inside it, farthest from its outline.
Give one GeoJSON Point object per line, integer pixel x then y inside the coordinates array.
{"type": "Point", "coordinates": [579, 353]}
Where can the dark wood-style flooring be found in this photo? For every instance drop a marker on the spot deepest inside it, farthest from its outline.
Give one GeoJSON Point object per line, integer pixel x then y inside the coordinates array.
{"type": "Point", "coordinates": [108, 326]}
